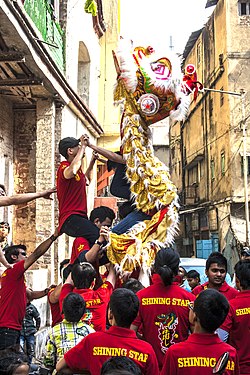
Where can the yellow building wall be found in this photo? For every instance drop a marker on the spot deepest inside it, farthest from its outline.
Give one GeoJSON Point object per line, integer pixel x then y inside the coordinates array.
{"type": "Point", "coordinates": [109, 115]}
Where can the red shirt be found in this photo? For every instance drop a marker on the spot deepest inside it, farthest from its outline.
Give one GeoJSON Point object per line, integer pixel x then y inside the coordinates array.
{"type": "Point", "coordinates": [96, 348]}
{"type": "Point", "coordinates": [237, 323]}
{"type": "Point", "coordinates": [13, 297]}
{"type": "Point", "coordinates": [55, 310]}
{"type": "Point", "coordinates": [163, 314]}
{"type": "Point", "coordinates": [71, 194]}
{"type": "Point", "coordinates": [96, 303]}
{"type": "Point", "coordinates": [225, 289]}
{"type": "Point", "coordinates": [80, 244]}
{"type": "Point", "coordinates": [198, 355]}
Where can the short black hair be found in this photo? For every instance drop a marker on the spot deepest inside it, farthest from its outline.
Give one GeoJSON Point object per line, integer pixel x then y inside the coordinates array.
{"type": "Point", "coordinates": [62, 264]}
{"type": "Point", "coordinates": [242, 272]}
{"type": "Point", "coordinates": [120, 363]}
{"type": "Point", "coordinates": [66, 271]}
{"type": "Point", "coordinates": [218, 258]}
{"type": "Point", "coordinates": [124, 305]}
{"type": "Point", "coordinates": [73, 307]}
{"type": "Point", "coordinates": [13, 250]}
{"type": "Point", "coordinates": [83, 274]}
{"type": "Point", "coordinates": [211, 308]}
{"type": "Point", "coordinates": [184, 269]}
{"type": "Point", "coordinates": [133, 284]}
{"type": "Point", "coordinates": [11, 358]}
{"type": "Point", "coordinates": [193, 274]}
{"type": "Point", "coordinates": [3, 188]}
{"type": "Point", "coordinates": [167, 265]}
{"type": "Point", "coordinates": [101, 213]}
{"type": "Point", "coordinates": [5, 223]}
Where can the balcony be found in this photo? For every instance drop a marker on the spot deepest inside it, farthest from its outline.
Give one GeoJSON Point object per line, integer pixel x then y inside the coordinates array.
{"type": "Point", "coordinates": [192, 195]}
{"type": "Point", "coordinates": [43, 17]}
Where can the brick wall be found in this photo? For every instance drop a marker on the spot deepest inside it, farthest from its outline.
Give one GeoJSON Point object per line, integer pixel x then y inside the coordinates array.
{"type": "Point", "coordinates": [24, 229]}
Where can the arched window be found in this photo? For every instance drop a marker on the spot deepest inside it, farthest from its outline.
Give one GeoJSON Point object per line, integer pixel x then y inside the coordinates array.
{"type": "Point", "coordinates": [83, 79]}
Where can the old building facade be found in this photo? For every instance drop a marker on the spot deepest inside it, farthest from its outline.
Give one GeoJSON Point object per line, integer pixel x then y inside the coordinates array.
{"type": "Point", "coordinates": [50, 83]}
{"type": "Point", "coordinates": [206, 150]}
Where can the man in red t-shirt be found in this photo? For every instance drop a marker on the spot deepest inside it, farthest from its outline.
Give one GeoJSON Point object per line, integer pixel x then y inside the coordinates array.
{"type": "Point", "coordinates": [216, 270]}
{"type": "Point", "coordinates": [81, 281]}
{"type": "Point", "coordinates": [13, 290]}
{"type": "Point", "coordinates": [71, 191]}
{"type": "Point", "coordinates": [237, 323]}
{"type": "Point", "coordinates": [119, 340]}
{"type": "Point", "coordinates": [53, 297]}
{"type": "Point", "coordinates": [100, 216]}
{"type": "Point", "coordinates": [163, 312]}
{"type": "Point", "coordinates": [200, 352]}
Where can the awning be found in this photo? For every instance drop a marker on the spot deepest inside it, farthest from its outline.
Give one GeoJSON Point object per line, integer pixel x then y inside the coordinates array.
{"type": "Point", "coordinates": [238, 228]}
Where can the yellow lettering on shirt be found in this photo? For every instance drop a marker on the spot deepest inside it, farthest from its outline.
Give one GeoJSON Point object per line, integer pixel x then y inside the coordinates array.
{"type": "Point", "coordinates": [230, 365]}
{"type": "Point", "coordinates": [245, 311]}
{"type": "Point", "coordinates": [165, 301]}
{"type": "Point", "coordinates": [201, 362]}
{"type": "Point", "coordinates": [111, 352]}
{"type": "Point", "coordinates": [140, 357]}
{"type": "Point", "coordinates": [93, 302]}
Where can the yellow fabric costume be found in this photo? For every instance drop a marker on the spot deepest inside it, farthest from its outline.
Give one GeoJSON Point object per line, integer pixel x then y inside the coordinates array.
{"type": "Point", "coordinates": [150, 90]}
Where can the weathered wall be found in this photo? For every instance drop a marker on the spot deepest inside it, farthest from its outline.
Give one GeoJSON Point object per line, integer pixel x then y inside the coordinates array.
{"type": "Point", "coordinates": [6, 153]}
{"type": "Point", "coordinates": [24, 226]}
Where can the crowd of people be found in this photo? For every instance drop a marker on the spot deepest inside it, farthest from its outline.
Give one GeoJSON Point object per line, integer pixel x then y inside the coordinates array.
{"type": "Point", "coordinates": [104, 322]}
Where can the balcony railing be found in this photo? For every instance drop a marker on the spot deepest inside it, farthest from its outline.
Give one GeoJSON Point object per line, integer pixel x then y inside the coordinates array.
{"type": "Point", "coordinates": [43, 17]}
{"type": "Point", "coordinates": [192, 194]}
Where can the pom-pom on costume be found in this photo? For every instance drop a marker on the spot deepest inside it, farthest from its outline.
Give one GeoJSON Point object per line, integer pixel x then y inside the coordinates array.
{"type": "Point", "coordinates": [151, 88]}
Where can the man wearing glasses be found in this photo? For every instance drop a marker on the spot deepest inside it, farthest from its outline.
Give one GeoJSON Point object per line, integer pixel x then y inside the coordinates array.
{"type": "Point", "coordinates": [13, 290]}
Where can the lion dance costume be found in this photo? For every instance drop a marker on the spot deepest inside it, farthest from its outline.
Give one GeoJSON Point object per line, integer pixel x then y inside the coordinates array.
{"type": "Point", "coordinates": [151, 88]}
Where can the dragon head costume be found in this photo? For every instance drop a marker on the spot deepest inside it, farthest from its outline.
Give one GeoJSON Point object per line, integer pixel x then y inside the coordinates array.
{"type": "Point", "coordinates": [151, 87]}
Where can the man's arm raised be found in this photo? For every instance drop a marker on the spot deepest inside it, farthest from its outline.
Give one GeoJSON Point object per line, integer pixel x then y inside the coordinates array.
{"type": "Point", "coordinates": [106, 153]}
{"type": "Point", "coordinates": [76, 163]}
{"type": "Point", "coordinates": [40, 250]}
{"type": "Point", "coordinates": [25, 198]}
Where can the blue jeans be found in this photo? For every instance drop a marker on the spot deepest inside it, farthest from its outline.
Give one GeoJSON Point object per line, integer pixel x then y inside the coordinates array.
{"type": "Point", "coordinates": [30, 346]}
{"type": "Point", "coordinates": [131, 219]}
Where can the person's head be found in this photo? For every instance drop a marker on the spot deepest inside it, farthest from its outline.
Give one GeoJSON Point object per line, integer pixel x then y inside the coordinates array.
{"type": "Point", "coordinates": [102, 216]}
{"type": "Point", "coordinates": [182, 273]}
{"type": "Point", "coordinates": [112, 164]}
{"type": "Point", "coordinates": [209, 310]}
{"type": "Point", "coordinates": [73, 307]}
{"type": "Point", "coordinates": [167, 265]}
{"type": "Point", "coordinates": [216, 269]}
{"type": "Point", "coordinates": [245, 253]}
{"type": "Point", "coordinates": [2, 191]}
{"type": "Point", "coordinates": [133, 284]}
{"type": "Point", "coordinates": [15, 253]}
{"type": "Point", "coordinates": [64, 264]}
{"type": "Point", "coordinates": [13, 362]}
{"type": "Point", "coordinates": [193, 278]}
{"type": "Point", "coordinates": [123, 307]}
{"type": "Point", "coordinates": [83, 275]}
{"type": "Point", "coordinates": [120, 363]}
{"type": "Point", "coordinates": [242, 272]}
{"type": "Point", "coordinates": [4, 229]}
{"type": "Point", "coordinates": [66, 271]}
{"type": "Point", "coordinates": [125, 208]}
{"type": "Point", "coordinates": [68, 147]}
